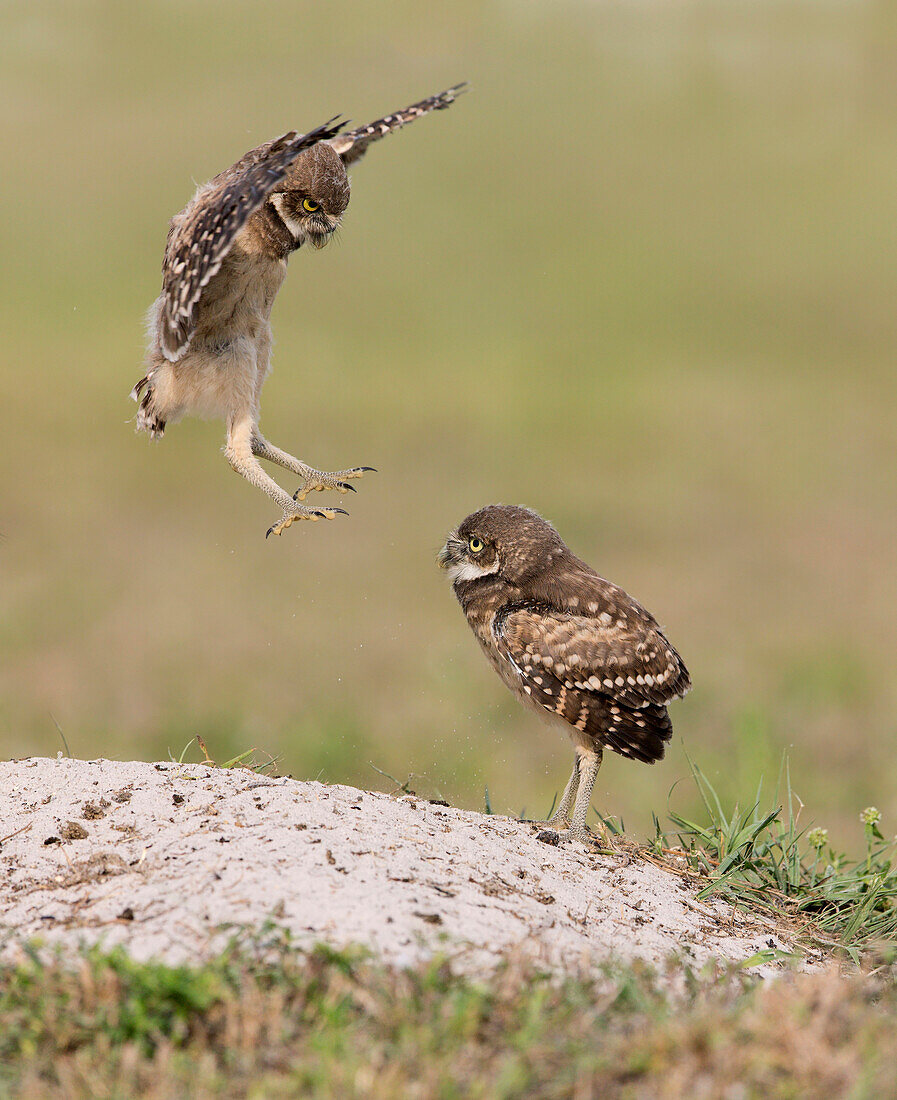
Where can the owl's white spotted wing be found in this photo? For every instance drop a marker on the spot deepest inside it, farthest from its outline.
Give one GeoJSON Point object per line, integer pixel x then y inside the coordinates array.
{"type": "Point", "coordinates": [610, 675]}
{"type": "Point", "coordinates": [353, 144]}
{"type": "Point", "coordinates": [203, 233]}
{"type": "Point", "coordinates": [632, 662]}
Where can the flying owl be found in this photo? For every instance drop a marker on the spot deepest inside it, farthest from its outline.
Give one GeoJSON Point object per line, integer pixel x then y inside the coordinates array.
{"type": "Point", "coordinates": [225, 260]}
{"type": "Point", "coordinates": [566, 642]}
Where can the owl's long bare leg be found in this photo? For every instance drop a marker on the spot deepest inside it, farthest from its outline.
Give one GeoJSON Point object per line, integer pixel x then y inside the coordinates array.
{"type": "Point", "coordinates": [587, 764]}
{"type": "Point", "coordinates": [239, 454]}
{"type": "Point", "coordinates": [560, 819]}
{"type": "Point", "coordinates": [315, 480]}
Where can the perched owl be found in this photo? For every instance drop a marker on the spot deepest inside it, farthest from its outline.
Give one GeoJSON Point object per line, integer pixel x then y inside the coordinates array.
{"type": "Point", "coordinates": [225, 260]}
{"type": "Point", "coordinates": [565, 641]}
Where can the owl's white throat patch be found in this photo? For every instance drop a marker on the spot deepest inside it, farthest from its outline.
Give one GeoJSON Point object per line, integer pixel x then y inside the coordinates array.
{"type": "Point", "coordinates": [469, 570]}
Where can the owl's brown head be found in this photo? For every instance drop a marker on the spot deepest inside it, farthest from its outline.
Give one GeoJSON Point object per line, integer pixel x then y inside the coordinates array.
{"type": "Point", "coordinates": [313, 196]}
{"type": "Point", "coordinates": [504, 541]}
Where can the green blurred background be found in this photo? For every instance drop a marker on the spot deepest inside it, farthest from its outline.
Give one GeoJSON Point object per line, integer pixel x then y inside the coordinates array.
{"type": "Point", "coordinates": [641, 278]}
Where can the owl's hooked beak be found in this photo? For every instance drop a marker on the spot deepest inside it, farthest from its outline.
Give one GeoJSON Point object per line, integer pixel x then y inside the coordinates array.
{"type": "Point", "coordinates": [320, 240]}
{"type": "Point", "coordinates": [320, 230]}
{"type": "Point", "coordinates": [450, 554]}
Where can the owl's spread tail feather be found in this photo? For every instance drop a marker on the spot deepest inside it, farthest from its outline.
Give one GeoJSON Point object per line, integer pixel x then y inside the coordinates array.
{"type": "Point", "coordinates": [148, 420]}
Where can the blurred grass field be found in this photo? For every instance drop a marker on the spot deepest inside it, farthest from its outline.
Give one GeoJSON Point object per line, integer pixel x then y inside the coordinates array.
{"type": "Point", "coordinates": [641, 278]}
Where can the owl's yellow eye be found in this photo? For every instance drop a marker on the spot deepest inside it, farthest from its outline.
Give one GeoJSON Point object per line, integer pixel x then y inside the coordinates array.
{"type": "Point", "coordinates": [476, 545]}
{"type": "Point", "coordinates": [310, 206]}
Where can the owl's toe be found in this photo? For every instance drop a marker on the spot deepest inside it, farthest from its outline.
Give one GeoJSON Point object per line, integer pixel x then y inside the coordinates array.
{"type": "Point", "coordinates": [582, 834]}
{"type": "Point", "coordinates": [301, 512]}
{"type": "Point", "coordinates": [579, 834]}
{"type": "Point", "coordinates": [338, 486]}
{"type": "Point", "coordinates": [317, 481]}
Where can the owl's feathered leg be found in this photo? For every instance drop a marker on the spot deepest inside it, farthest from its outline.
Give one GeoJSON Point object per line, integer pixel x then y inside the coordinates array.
{"type": "Point", "coordinates": [560, 819]}
{"type": "Point", "coordinates": [587, 765]}
{"type": "Point", "coordinates": [239, 453]}
{"type": "Point", "coordinates": [315, 480]}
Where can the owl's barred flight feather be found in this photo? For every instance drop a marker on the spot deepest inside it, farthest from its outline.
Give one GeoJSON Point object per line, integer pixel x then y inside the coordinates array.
{"type": "Point", "coordinates": [565, 641]}
{"type": "Point", "coordinates": [353, 144]}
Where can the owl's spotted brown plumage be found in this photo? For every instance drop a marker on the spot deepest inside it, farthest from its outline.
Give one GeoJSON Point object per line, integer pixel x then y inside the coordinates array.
{"type": "Point", "coordinates": [565, 641]}
{"type": "Point", "coordinates": [225, 260]}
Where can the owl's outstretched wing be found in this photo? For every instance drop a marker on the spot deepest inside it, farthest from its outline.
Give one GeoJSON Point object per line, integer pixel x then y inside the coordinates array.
{"type": "Point", "coordinates": [353, 144]}
{"type": "Point", "coordinates": [203, 233]}
{"type": "Point", "coordinates": [610, 681]}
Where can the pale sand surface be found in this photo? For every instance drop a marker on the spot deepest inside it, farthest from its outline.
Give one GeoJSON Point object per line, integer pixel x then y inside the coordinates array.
{"type": "Point", "coordinates": [172, 853]}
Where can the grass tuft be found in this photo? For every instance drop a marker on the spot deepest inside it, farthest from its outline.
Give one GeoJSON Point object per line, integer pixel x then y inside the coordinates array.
{"type": "Point", "coordinates": [760, 858]}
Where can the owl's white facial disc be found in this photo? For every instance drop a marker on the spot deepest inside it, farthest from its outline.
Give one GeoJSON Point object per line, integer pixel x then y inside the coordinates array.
{"type": "Point", "coordinates": [468, 570]}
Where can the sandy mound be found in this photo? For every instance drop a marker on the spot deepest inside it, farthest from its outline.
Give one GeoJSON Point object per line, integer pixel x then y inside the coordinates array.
{"type": "Point", "coordinates": [159, 857]}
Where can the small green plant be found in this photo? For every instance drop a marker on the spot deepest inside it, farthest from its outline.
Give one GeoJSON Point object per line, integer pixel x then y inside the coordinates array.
{"type": "Point", "coordinates": [247, 759]}
{"type": "Point", "coordinates": [403, 785]}
{"type": "Point", "coordinates": [760, 858]}
{"type": "Point", "coordinates": [150, 1000]}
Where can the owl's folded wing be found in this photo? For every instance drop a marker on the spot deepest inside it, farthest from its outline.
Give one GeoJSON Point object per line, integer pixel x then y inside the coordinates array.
{"type": "Point", "coordinates": [201, 236]}
{"type": "Point", "coordinates": [610, 682]}
{"type": "Point", "coordinates": [353, 144]}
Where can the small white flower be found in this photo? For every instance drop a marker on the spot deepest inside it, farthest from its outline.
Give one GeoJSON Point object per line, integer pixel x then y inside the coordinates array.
{"type": "Point", "coordinates": [817, 838]}
{"type": "Point", "coordinates": [870, 816]}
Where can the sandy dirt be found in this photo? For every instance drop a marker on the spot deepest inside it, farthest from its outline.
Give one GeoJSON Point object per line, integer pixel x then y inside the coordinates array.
{"type": "Point", "coordinates": [167, 859]}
